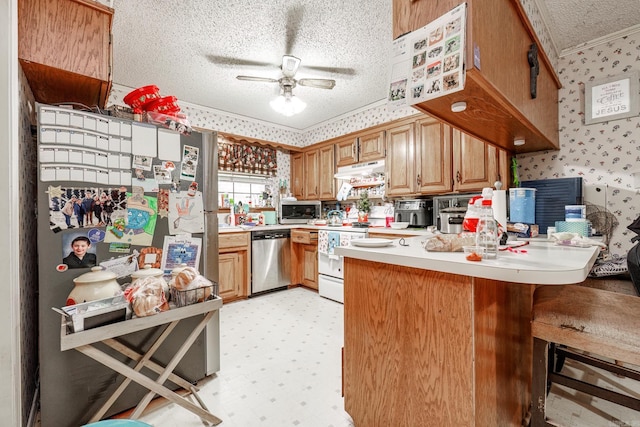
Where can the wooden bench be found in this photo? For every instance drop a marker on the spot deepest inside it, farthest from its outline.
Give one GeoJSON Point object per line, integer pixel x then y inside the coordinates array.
{"type": "Point", "coordinates": [589, 325]}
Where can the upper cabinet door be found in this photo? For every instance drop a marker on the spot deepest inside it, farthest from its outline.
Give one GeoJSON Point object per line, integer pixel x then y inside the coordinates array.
{"type": "Point", "coordinates": [311, 174]}
{"type": "Point", "coordinates": [504, 168]}
{"type": "Point", "coordinates": [297, 176]}
{"type": "Point", "coordinates": [401, 177]}
{"type": "Point", "coordinates": [433, 156]}
{"type": "Point", "coordinates": [475, 163]}
{"type": "Point", "coordinates": [326, 181]}
{"type": "Point", "coordinates": [346, 152]}
{"type": "Point", "coordinates": [371, 146]}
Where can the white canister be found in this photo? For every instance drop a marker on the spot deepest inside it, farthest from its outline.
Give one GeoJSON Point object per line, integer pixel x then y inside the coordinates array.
{"type": "Point", "coordinates": [94, 285]}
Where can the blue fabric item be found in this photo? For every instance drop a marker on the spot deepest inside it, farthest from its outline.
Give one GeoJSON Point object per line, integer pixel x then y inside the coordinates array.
{"type": "Point", "coordinates": [334, 241]}
{"type": "Point", "coordinates": [118, 423]}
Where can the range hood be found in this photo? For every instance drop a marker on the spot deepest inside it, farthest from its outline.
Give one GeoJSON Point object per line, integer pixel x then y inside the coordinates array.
{"type": "Point", "coordinates": [360, 169]}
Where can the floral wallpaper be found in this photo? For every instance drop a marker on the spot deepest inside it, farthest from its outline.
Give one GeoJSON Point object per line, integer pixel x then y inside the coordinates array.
{"type": "Point", "coordinates": [603, 154]}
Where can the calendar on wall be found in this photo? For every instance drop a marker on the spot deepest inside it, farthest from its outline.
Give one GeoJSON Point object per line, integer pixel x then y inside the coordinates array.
{"type": "Point", "coordinates": [429, 62]}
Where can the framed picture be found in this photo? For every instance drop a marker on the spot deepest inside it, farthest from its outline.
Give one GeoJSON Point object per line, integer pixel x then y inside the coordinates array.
{"type": "Point", "coordinates": [612, 98]}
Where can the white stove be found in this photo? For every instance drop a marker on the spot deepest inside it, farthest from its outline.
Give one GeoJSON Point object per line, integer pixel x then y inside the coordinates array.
{"type": "Point", "coordinates": [330, 265]}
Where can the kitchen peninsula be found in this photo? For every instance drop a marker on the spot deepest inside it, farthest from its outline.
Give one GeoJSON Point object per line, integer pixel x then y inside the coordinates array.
{"type": "Point", "coordinates": [433, 339]}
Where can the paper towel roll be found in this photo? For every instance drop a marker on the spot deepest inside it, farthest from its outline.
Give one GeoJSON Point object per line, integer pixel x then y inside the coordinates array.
{"type": "Point", "coordinates": [499, 205]}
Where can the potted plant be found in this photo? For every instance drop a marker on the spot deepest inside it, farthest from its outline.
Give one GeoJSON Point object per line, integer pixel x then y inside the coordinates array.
{"type": "Point", "coordinates": [364, 207]}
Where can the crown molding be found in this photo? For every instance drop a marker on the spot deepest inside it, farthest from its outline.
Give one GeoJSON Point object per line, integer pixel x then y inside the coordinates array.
{"type": "Point", "coordinates": [601, 40]}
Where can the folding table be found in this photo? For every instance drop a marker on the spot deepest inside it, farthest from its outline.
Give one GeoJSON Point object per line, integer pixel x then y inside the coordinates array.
{"type": "Point", "coordinates": [85, 341]}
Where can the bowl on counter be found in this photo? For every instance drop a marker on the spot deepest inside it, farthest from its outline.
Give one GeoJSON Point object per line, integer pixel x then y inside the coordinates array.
{"type": "Point", "coordinates": [399, 225]}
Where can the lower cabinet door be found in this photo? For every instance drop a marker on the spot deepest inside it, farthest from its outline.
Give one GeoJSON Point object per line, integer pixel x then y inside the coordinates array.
{"type": "Point", "coordinates": [231, 275]}
{"type": "Point", "coordinates": [310, 266]}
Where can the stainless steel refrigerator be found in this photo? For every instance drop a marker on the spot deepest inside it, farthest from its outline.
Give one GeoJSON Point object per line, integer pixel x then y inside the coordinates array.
{"type": "Point", "coordinates": [79, 153]}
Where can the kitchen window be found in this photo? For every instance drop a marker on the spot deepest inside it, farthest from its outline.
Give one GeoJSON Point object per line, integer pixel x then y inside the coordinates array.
{"type": "Point", "coordinates": [250, 190]}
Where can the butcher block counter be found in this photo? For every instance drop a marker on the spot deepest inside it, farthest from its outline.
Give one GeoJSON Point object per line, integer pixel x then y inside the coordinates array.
{"type": "Point", "coordinates": [432, 339]}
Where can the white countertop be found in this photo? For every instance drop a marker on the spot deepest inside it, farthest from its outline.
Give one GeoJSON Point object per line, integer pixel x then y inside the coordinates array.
{"type": "Point", "coordinates": [544, 263]}
{"type": "Point", "coordinates": [381, 230]}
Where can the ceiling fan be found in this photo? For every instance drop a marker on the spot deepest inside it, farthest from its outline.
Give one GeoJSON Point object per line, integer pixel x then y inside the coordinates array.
{"type": "Point", "coordinates": [290, 65]}
{"type": "Point", "coordinates": [286, 103]}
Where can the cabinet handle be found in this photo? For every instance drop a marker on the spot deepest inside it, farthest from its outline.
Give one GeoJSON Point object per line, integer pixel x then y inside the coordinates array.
{"type": "Point", "coordinates": [458, 176]}
{"type": "Point", "coordinates": [418, 180]}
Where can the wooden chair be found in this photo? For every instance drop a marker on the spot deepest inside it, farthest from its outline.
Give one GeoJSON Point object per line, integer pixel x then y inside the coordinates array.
{"type": "Point", "coordinates": [588, 325]}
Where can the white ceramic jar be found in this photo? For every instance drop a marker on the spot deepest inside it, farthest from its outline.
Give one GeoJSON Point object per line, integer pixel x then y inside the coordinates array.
{"type": "Point", "coordinates": [94, 285]}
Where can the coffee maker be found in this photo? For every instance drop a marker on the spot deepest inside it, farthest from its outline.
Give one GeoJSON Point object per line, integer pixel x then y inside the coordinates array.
{"type": "Point", "coordinates": [418, 212]}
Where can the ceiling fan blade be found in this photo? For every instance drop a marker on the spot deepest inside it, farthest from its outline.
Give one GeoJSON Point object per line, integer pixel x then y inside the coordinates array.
{"type": "Point", "coordinates": [319, 83]}
{"type": "Point", "coordinates": [291, 27]}
{"type": "Point", "coordinates": [257, 79]}
{"type": "Point", "coordinates": [230, 61]}
{"type": "Point", "coordinates": [290, 65]}
{"type": "Point", "coordinates": [334, 70]}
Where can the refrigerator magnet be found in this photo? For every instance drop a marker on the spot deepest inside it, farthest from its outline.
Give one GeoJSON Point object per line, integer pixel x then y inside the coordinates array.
{"type": "Point", "coordinates": [190, 158]}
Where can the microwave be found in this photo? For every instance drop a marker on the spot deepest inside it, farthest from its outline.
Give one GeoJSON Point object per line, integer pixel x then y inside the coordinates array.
{"type": "Point", "coordinates": [298, 211]}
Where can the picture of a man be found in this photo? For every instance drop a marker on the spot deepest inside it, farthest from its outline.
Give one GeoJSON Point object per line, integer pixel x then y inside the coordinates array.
{"type": "Point", "coordinates": [79, 257]}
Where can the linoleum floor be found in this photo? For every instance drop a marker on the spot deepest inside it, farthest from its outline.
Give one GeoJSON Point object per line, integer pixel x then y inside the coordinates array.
{"type": "Point", "coordinates": [281, 366]}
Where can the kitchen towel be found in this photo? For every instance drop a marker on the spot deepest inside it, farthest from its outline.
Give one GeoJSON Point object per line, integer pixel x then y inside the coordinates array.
{"type": "Point", "coordinates": [334, 241]}
{"type": "Point", "coordinates": [499, 205]}
{"type": "Point", "coordinates": [323, 242]}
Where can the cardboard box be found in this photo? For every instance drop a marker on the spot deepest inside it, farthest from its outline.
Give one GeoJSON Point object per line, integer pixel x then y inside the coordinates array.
{"type": "Point", "coordinates": [520, 229]}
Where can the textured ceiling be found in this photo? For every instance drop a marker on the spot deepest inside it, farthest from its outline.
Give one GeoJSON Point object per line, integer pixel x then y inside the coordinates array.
{"type": "Point", "coordinates": [194, 49]}
{"type": "Point", "coordinates": [575, 22]}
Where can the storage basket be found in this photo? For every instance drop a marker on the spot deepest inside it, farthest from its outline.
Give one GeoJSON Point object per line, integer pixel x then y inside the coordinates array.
{"type": "Point", "coordinates": [192, 296]}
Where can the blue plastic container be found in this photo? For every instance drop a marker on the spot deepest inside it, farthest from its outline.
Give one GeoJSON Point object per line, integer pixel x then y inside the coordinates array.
{"type": "Point", "coordinates": [522, 205]}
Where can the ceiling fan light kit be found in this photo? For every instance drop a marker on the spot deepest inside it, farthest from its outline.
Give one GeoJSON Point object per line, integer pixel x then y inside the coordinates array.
{"type": "Point", "coordinates": [287, 104]}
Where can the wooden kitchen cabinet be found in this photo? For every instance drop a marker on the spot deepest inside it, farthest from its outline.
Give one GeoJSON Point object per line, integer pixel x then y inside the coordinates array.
{"type": "Point", "coordinates": [475, 163]}
{"type": "Point", "coordinates": [400, 160]}
{"type": "Point", "coordinates": [428, 157]}
{"type": "Point", "coordinates": [304, 258]}
{"type": "Point", "coordinates": [497, 90]}
{"type": "Point", "coordinates": [419, 158]}
{"type": "Point", "coordinates": [504, 168]}
{"type": "Point", "coordinates": [326, 170]}
{"type": "Point", "coordinates": [433, 156]}
{"type": "Point", "coordinates": [297, 176]}
{"type": "Point", "coordinates": [311, 175]}
{"type": "Point", "coordinates": [362, 148]}
{"type": "Point", "coordinates": [346, 152]}
{"type": "Point", "coordinates": [64, 48]}
{"type": "Point", "coordinates": [234, 265]}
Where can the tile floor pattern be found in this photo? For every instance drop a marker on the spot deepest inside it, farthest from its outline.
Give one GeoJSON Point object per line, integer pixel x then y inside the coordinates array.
{"type": "Point", "coordinates": [281, 367]}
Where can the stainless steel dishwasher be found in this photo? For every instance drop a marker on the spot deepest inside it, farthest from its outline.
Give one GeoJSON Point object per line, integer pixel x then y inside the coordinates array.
{"type": "Point", "coordinates": [270, 260]}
